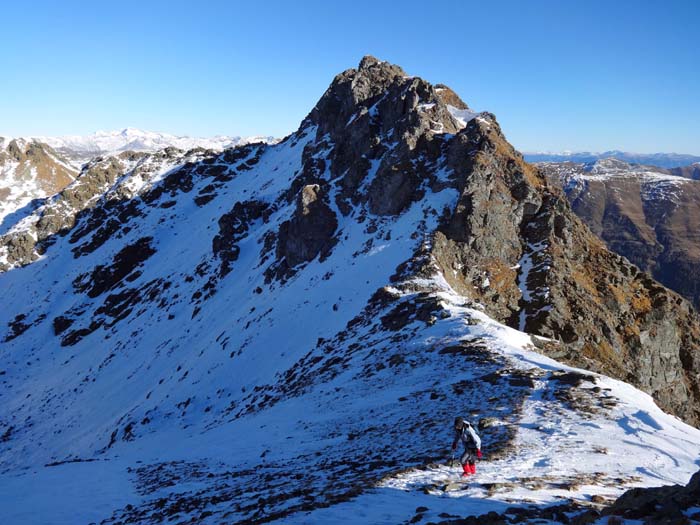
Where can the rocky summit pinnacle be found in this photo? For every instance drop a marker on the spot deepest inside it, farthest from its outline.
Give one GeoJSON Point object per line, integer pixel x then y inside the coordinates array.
{"type": "Point", "coordinates": [369, 61]}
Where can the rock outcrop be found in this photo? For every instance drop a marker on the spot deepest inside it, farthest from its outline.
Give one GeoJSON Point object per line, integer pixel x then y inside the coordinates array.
{"type": "Point", "coordinates": [310, 231]}
{"type": "Point", "coordinates": [668, 504]}
{"type": "Point", "coordinates": [612, 317]}
{"type": "Point", "coordinates": [378, 141]}
{"type": "Point", "coordinates": [99, 199]}
{"type": "Point", "coordinates": [512, 243]}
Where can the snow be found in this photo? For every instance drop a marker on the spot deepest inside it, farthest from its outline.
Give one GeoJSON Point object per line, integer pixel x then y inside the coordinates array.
{"type": "Point", "coordinates": [132, 139]}
{"type": "Point", "coordinates": [525, 266]}
{"type": "Point", "coordinates": [636, 441]}
{"type": "Point", "coordinates": [655, 184]}
{"type": "Point", "coordinates": [21, 189]}
{"type": "Point", "coordinates": [662, 160]}
{"type": "Point", "coordinates": [462, 116]}
{"type": "Point", "coordinates": [56, 494]}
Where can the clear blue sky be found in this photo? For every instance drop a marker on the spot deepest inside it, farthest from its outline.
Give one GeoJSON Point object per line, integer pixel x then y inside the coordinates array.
{"type": "Point", "coordinates": [580, 75]}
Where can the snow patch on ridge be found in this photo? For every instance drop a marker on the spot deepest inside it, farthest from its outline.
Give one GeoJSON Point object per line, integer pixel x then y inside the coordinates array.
{"type": "Point", "coordinates": [463, 116]}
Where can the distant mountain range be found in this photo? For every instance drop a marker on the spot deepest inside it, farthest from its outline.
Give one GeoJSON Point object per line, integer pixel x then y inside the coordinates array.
{"type": "Point", "coordinates": [662, 160]}
{"type": "Point", "coordinates": [81, 148]}
{"type": "Point", "coordinates": [33, 168]}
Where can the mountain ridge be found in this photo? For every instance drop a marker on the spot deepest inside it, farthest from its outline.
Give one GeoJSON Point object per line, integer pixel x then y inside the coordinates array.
{"type": "Point", "coordinates": [662, 160]}
{"type": "Point", "coordinates": [273, 331]}
{"type": "Point", "coordinates": [81, 148]}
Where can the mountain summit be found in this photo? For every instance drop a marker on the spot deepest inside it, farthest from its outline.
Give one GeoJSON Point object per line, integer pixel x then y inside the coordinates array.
{"type": "Point", "coordinates": [285, 332]}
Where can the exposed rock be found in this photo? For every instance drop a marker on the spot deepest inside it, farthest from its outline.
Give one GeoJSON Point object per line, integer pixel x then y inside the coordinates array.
{"type": "Point", "coordinates": [547, 274]}
{"type": "Point", "coordinates": [59, 215]}
{"type": "Point", "coordinates": [233, 226]}
{"type": "Point", "coordinates": [659, 504]}
{"type": "Point", "coordinates": [100, 202]}
{"type": "Point", "coordinates": [30, 171]}
{"type": "Point", "coordinates": [689, 172]}
{"type": "Point", "coordinates": [357, 171]}
{"type": "Point", "coordinates": [376, 142]}
{"type": "Point", "coordinates": [449, 97]}
{"type": "Point", "coordinates": [106, 277]}
{"type": "Point", "coordinates": [378, 116]}
{"type": "Point", "coordinates": [310, 231]}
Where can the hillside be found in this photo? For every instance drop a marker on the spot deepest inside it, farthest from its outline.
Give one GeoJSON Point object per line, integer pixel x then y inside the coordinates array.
{"type": "Point", "coordinates": [284, 332]}
{"type": "Point", "coordinates": [30, 171]}
{"type": "Point", "coordinates": [644, 213]}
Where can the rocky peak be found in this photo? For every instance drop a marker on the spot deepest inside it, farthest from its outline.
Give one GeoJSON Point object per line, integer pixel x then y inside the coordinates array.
{"type": "Point", "coordinates": [29, 172]}
{"type": "Point", "coordinates": [382, 95]}
{"type": "Point", "coordinates": [16, 149]}
{"type": "Point", "coordinates": [512, 242]}
{"type": "Point", "coordinates": [368, 61]}
{"type": "Point", "coordinates": [449, 97]}
{"type": "Point", "coordinates": [379, 136]}
{"type": "Point", "coordinates": [351, 283]}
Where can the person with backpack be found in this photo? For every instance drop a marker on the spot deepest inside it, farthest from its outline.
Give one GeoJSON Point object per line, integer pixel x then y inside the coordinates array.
{"type": "Point", "coordinates": [465, 433]}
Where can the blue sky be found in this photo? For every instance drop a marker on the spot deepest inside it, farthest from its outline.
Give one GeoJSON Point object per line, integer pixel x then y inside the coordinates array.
{"type": "Point", "coordinates": [558, 75]}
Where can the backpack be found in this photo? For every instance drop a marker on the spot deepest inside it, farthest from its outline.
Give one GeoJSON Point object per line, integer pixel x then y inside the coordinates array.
{"type": "Point", "coordinates": [469, 442]}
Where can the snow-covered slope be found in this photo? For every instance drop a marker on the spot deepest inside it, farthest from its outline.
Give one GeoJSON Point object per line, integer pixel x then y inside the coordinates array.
{"type": "Point", "coordinates": [655, 182]}
{"type": "Point", "coordinates": [80, 149]}
{"type": "Point", "coordinates": [32, 169]}
{"type": "Point", "coordinates": [249, 337]}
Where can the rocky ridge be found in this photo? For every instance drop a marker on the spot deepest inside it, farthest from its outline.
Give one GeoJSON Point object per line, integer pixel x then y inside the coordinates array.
{"type": "Point", "coordinates": [81, 149]}
{"type": "Point", "coordinates": [661, 160]}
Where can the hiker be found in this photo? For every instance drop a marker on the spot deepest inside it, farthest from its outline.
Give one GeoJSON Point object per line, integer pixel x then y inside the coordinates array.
{"type": "Point", "coordinates": [465, 433]}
